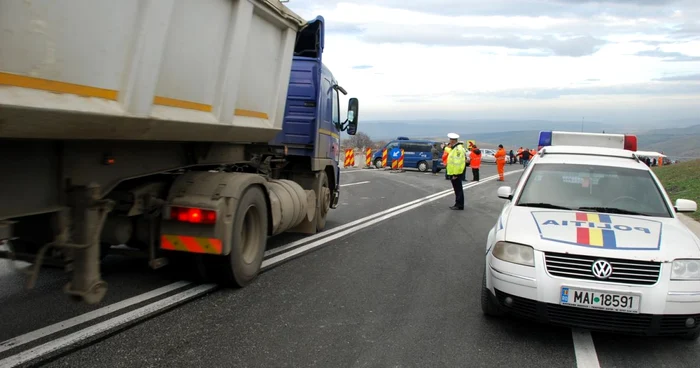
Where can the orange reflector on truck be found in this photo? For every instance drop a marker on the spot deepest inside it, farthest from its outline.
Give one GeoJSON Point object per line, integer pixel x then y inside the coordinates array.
{"type": "Point", "coordinates": [191, 244]}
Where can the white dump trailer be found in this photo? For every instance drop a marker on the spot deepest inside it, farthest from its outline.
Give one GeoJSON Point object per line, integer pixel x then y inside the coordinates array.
{"type": "Point", "coordinates": [190, 126]}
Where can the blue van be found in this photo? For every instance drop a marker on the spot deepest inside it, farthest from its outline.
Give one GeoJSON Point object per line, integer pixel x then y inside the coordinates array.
{"type": "Point", "coordinates": [416, 154]}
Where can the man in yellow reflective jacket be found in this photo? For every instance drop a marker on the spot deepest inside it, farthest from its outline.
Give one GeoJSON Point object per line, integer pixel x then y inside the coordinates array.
{"type": "Point", "coordinates": [456, 162]}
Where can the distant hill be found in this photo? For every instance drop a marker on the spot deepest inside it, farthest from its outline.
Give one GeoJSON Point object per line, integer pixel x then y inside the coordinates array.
{"type": "Point", "coordinates": [678, 143]}
{"type": "Point", "coordinates": [384, 130]}
{"type": "Point", "coordinates": [421, 128]}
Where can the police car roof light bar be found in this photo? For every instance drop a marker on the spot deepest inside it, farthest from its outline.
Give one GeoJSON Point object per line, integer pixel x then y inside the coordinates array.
{"type": "Point", "coordinates": [545, 140]}
{"type": "Point", "coordinates": [630, 142]}
{"type": "Point", "coordinates": [620, 141]}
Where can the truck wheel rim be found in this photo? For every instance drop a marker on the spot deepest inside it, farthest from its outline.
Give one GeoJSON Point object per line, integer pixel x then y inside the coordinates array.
{"type": "Point", "coordinates": [326, 200]}
{"type": "Point", "coordinates": [250, 236]}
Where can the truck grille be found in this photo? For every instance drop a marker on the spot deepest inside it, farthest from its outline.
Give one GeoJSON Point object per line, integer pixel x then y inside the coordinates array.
{"type": "Point", "coordinates": [624, 271]}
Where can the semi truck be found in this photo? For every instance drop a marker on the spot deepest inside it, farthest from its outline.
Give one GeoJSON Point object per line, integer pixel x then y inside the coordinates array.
{"type": "Point", "coordinates": [173, 128]}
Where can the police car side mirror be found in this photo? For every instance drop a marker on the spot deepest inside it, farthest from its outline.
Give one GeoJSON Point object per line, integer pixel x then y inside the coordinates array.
{"type": "Point", "coordinates": [685, 205]}
{"type": "Point", "coordinates": [505, 193]}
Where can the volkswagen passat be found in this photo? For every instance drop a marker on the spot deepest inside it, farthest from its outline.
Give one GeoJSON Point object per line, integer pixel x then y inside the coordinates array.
{"type": "Point", "coordinates": [588, 238]}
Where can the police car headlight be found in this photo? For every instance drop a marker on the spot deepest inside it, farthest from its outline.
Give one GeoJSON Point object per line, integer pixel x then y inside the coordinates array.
{"type": "Point", "coordinates": [514, 253]}
{"type": "Point", "coordinates": [686, 269]}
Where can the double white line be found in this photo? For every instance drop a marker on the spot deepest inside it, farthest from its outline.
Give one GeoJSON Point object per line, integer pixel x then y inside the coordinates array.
{"type": "Point", "coordinates": [273, 257]}
{"type": "Point", "coordinates": [295, 248]}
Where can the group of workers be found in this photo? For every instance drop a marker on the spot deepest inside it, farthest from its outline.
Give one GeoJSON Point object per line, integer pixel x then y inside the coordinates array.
{"type": "Point", "coordinates": [456, 158]}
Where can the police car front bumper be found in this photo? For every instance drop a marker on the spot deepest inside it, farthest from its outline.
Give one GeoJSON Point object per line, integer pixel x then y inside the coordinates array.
{"type": "Point", "coordinates": [665, 308]}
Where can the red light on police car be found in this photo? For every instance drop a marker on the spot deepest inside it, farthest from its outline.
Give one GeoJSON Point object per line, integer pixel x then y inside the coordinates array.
{"type": "Point", "coordinates": [192, 215]}
{"type": "Point", "coordinates": [630, 142]}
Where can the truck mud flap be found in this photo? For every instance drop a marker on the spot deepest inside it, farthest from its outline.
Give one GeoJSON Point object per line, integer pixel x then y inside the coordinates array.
{"type": "Point", "coordinates": [336, 198]}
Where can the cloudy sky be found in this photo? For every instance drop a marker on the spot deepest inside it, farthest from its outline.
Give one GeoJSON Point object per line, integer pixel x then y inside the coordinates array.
{"type": "Point", "coordinates": [615, 60]}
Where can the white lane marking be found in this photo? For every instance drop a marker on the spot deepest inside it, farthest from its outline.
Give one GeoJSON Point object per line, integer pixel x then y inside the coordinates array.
{"type": "Point", "coordinates": [71, 322]}
{"type": "Point", "coordinates": [356, 222]}
{"type": "Point", "coordinates": [351, 184]}
{"type": "Point", "coordinates": [584, 348]}
{"type": "Point", "coordinates": [363, 223]}
{"type": "Point", "coordinates": [76, 337]}
{"type": "Point", "coordinates": [346, 171]}
{"type": "Point", "coordinates": [52, 346]}
{"type": "Point", "coordinates": [347, 225]}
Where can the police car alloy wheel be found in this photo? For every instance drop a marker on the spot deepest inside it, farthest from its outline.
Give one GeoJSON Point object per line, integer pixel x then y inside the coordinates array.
{"type": "Point", "coordinates": [588, 238]}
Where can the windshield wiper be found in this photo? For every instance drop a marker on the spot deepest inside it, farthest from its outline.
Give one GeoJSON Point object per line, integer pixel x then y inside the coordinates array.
{"type": "Point", "coordinates": [612, 210]}
{"type": "Point", "coordinates": [544, 205]}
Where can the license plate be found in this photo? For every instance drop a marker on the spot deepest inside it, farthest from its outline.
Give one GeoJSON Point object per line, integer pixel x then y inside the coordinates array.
{"type": "Point", "coordinates": [600, 300]}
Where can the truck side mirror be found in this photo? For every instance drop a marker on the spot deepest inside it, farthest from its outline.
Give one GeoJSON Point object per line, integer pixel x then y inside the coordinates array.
{"type": "Point", "coordinates": [353, 106]}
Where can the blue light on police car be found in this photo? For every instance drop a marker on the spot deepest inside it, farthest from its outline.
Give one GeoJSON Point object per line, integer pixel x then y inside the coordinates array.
{"type": "Point", "coordinates": [545, 140]}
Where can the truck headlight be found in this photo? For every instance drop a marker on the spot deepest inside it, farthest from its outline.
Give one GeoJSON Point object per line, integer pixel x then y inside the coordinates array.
{"type": "Point", "coordinates": [514, 253]}
{"type": "Point", "coordinates": [686, 269]}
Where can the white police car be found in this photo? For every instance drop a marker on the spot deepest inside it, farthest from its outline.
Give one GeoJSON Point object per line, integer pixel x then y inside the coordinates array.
{"type": "Point", "coordinates": [590, 239]}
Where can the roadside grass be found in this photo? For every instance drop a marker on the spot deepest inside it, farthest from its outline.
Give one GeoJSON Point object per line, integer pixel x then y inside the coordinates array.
{"type": "Point", "coordinates": [681, 180]}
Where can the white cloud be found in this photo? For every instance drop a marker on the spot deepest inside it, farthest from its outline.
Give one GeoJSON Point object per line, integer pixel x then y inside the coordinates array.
{"type": "Point", "coordinates": [513, 58]}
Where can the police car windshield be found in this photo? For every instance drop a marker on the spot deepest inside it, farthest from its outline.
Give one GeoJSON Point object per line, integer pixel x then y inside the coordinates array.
{"type": "Point", "coordinates": [594, 188]}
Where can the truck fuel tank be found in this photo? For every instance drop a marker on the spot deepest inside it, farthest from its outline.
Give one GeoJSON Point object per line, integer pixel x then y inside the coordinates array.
{"type": "Point", "coordinates": [290, 204]}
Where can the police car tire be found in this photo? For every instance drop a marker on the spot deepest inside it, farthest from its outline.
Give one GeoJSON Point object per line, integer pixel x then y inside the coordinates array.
{"type": "Point", "coordinates": [488, 307]}
{"type": "Point", "coordinates": [378, 163]}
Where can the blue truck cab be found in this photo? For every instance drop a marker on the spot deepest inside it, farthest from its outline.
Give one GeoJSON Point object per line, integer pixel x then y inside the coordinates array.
{"type": "Point", "coordinates": [417, 154]}
{"type": "Point", "coordinates": [312, 118]}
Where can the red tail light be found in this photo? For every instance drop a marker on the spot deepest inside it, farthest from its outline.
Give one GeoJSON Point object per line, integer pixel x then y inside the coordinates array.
{"type": "Point", "coordinates": [193, 215]}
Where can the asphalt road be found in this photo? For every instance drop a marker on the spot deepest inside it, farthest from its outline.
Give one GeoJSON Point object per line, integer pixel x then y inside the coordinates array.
{"type": "Point", "coordinates": [397, 290]}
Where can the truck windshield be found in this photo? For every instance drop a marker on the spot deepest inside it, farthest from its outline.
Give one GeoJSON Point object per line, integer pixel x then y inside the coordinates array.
{"type": "Point", "coordinates": [593, 188]}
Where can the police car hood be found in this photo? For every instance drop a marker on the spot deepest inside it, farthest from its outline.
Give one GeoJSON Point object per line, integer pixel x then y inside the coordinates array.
{"type": "Point", "coordinates": [597, 234]}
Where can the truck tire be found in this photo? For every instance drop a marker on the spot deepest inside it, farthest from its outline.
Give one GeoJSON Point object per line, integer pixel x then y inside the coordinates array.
{"type": "Point", "coordinates": [248, 239]}
{"type": "Point", "coordinates": [324, 197]}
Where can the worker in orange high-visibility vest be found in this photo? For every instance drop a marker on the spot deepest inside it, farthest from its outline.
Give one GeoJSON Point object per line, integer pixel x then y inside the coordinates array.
{"type": "Point", "coordinates": [475, 162]}
{"type": "Point", "coordinates": [445, 155]}
{"type": "Point", "coordinates": [501, 162]}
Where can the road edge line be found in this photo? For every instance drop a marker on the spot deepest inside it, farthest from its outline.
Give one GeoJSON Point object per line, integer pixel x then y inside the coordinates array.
{"type": "Point", "coordinates": [350, 224]}
{"type": "Point", "coordinates": [584, 348]}
{"type": "Point", "coordinates": [354, 183]}
{"type": "Point", "coordinates": [52, 346]}
{"type": "Point", "coordinates": [17, 341]}
{"type": "Point", "coordinates": [287, 247]}
{"type": "Point", "coordinates": [307, 247]}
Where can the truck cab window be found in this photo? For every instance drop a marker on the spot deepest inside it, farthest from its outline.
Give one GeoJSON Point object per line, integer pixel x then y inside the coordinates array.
{"type": "Point", "coordinates": [336, 107]}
